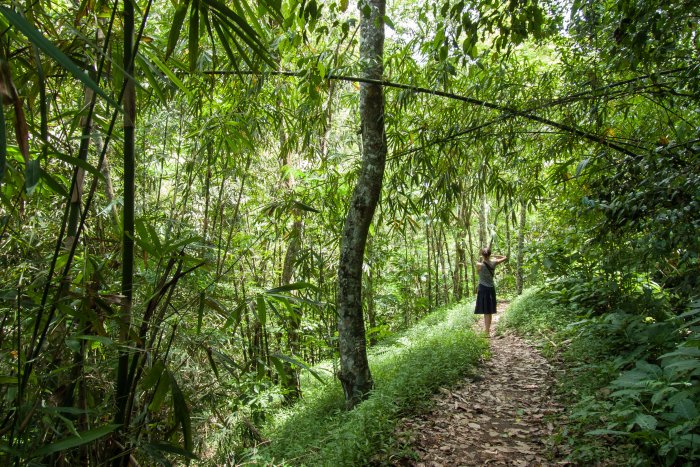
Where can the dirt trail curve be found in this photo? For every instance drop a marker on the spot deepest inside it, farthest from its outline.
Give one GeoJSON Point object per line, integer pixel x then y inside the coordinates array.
{"type": "Point", "coordinates": [503, 417]}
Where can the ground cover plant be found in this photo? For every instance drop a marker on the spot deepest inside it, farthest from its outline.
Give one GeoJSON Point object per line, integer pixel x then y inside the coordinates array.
{"type": "Point", "coordinates": [631, 381]}
{"type": "Point", "coordinates": [439, 350]}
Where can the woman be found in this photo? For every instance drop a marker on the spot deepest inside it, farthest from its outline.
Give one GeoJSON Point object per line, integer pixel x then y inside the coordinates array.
{"type": "Point", "coordinates": [486, 295]}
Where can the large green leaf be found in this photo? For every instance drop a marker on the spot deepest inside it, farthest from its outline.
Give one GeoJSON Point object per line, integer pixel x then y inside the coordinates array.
{"type": "Point", "coordinates": [36, 38]}
{"type": "Point", "coordinates": [75, 441]}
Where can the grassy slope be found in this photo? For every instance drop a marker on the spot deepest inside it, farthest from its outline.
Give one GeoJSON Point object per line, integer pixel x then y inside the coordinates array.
{"type": "Point", "coordinates": [438, 351]}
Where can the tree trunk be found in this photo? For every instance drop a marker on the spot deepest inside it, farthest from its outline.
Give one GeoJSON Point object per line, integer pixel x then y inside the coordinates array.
{"type": "Point", "coordinates": [354, 371]}
{"type": "Point", "coordinates": [521, 245]}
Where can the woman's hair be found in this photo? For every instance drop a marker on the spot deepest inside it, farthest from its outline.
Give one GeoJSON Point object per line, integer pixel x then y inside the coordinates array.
{"type": "Point", "coordinates": [486, 252]}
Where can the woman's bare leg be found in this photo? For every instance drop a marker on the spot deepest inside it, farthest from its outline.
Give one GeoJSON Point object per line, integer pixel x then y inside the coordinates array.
{"type": "Point", "coordinates": [487, 324]}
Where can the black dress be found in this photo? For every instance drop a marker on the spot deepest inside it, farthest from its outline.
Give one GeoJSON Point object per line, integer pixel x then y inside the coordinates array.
{"type": "Point", "coordinates": [486, 293]}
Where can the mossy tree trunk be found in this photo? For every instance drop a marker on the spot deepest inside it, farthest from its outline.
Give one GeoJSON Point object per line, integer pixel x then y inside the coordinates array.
{"type": "Point", "coordinates": [354, 371]}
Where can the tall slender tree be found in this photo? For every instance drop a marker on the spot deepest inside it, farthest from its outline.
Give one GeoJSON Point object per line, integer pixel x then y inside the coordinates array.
{"type": "Point", "coordinates": [354, 372]}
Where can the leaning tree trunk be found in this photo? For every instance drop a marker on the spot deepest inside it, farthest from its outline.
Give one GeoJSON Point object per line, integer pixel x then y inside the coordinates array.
{"type": "Point", "coordinates": [354, 371]}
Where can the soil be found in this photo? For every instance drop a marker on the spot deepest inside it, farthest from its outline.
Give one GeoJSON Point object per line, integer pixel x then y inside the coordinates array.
{"type": "Point", "coordinates": [503, 416]}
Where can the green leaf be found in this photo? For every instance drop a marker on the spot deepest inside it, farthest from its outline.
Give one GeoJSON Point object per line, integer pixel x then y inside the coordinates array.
{"type": "Point", "coordinates": [153, 375]}
{"type": "Point", "coordinates": [166, 71]}
{"type": "Point", "coordinates": [262, 309]}
{"type": "Point", "coordinates": [170, 449]}
{"type": "Point", "coordinates": [645, 422]}
{"type": "Point", "coordinates": [582, 165]}
{"type": "Point", "coordinates": [36, 38]}
{"type": "Point", "coordinates": [241, 28]}
{"type": "Point", "coordinates": [603, 432]}
{"type": "Point", "coordinates": [305, 207]}
{"type": "Point", "coordinates": [235, 316]}
{"type": "Point", "coordinates": [6, 379]}
{"type": "Point", "coordinates": [212, 363]}
{"type": "Point", "coordinates": [200, 311]}
{"type": "Point", "coordinates": [193, 42]}
{"type": "Point", "coordinates": [300, 364]}
{"type": "Point", "coordinates": [178, 21]}
{"type": "Point", "coordinates": [94, 338]}
{"type": "Point", "coordinates": [79, 162]}
{"type": "Point", "coordinates": [32, 176]}
{"type": "Point", "coordinates": [290, 287]}
{"type": "Point", "coordinates": [161, 391]}
{"type": "Point", "coordinates": [54, 184]}
{"type": "Point", "coordinates": [686, 409]}
{"type": "Point", "coordinates": [75, 441]}
{"type": "Point", "coordinates": [182, 413]}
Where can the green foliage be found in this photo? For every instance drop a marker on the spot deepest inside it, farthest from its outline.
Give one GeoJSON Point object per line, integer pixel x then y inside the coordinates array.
{"type": "Point", "coordinates": [533, 313]}
{"type": "Point", "coordinates": [632, 381]}
{"type": "Point", "coordinates": [407, 368]}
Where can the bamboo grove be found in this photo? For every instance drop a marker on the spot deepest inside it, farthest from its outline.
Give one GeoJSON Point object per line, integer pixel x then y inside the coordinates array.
{"type": "Point", "coordinates": [176, 178]}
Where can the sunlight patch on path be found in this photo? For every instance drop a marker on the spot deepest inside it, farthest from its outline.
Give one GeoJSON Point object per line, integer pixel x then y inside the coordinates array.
{"type": "Point", "coordinates": [503, 417]}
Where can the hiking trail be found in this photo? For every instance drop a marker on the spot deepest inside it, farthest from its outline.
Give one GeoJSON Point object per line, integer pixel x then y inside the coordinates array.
{"type": "Point", "coordinates": [502, 416]}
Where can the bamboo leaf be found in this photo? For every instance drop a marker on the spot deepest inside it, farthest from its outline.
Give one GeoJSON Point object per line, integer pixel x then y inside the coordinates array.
{"type": "Point", "coordinates": [153, 82]}
{"type": "Point", "coordinates": [78, 162]}
{"type": "Point", "coordinates": [235, 316]}
{"type": "Point", "coordinates": [200, 311]}
{"type": "Point", "coordinates": [305, 207]}
{"type": "Point", "coordinates": [212, 363]}
{"type": "Point", "coordinates": [178, 21]}
{"type": "Point", "coordinates": [167, 72]}
{"type": "Point", "coordinates": [300, 364]}
{"type": "Point", "coordinates": [75, 441]}
{"type": "Point", "coordinates": [32, 175]}
{"type": "Point", "coordinates": [6, 379]}
{"type": "Point", "coordinates": [193, 42]}
{"type": "Point", "coordinates": [170, 449]}
{"type": "Point", "coordinates": [182, 413]}
{"type": "Point", "coordinates": [54, 184]}
{"type": "Point", "coordinates": [241, 28]}
{"type": "Point", "coordinates": [161, 391]}
{"type": "Point", "coordinates": [224, 42]}
{"type": "Point", "coordinates": [36, 38]}
{"type": "Point", "coordinates": [153, 375]}
{"type": "Point", "coordinates": [289, 287]}
{"type": "Point", "coordinates": [261, 309]}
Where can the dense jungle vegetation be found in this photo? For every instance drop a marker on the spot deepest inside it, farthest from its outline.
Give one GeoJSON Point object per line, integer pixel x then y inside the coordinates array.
{"type": "Point", "coordinates": [213, 211]}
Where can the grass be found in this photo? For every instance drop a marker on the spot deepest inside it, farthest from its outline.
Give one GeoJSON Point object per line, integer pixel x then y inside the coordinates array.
{"type": "Point", "coordinates": [438, 351]}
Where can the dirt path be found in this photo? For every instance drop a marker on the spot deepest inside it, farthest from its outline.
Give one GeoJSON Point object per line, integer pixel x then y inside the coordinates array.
{"type": "Point", "coordinates": [500, 418]}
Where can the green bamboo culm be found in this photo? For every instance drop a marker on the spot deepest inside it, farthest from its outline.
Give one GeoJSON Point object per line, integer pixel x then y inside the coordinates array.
{"type": "Point", "coordinates": [129, 103]}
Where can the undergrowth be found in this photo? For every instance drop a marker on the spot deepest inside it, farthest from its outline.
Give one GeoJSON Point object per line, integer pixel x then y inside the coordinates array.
{"type": "Point", "coordinates": [438, 351]}
{"type": "Point", "coordinates": [632, 379]}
